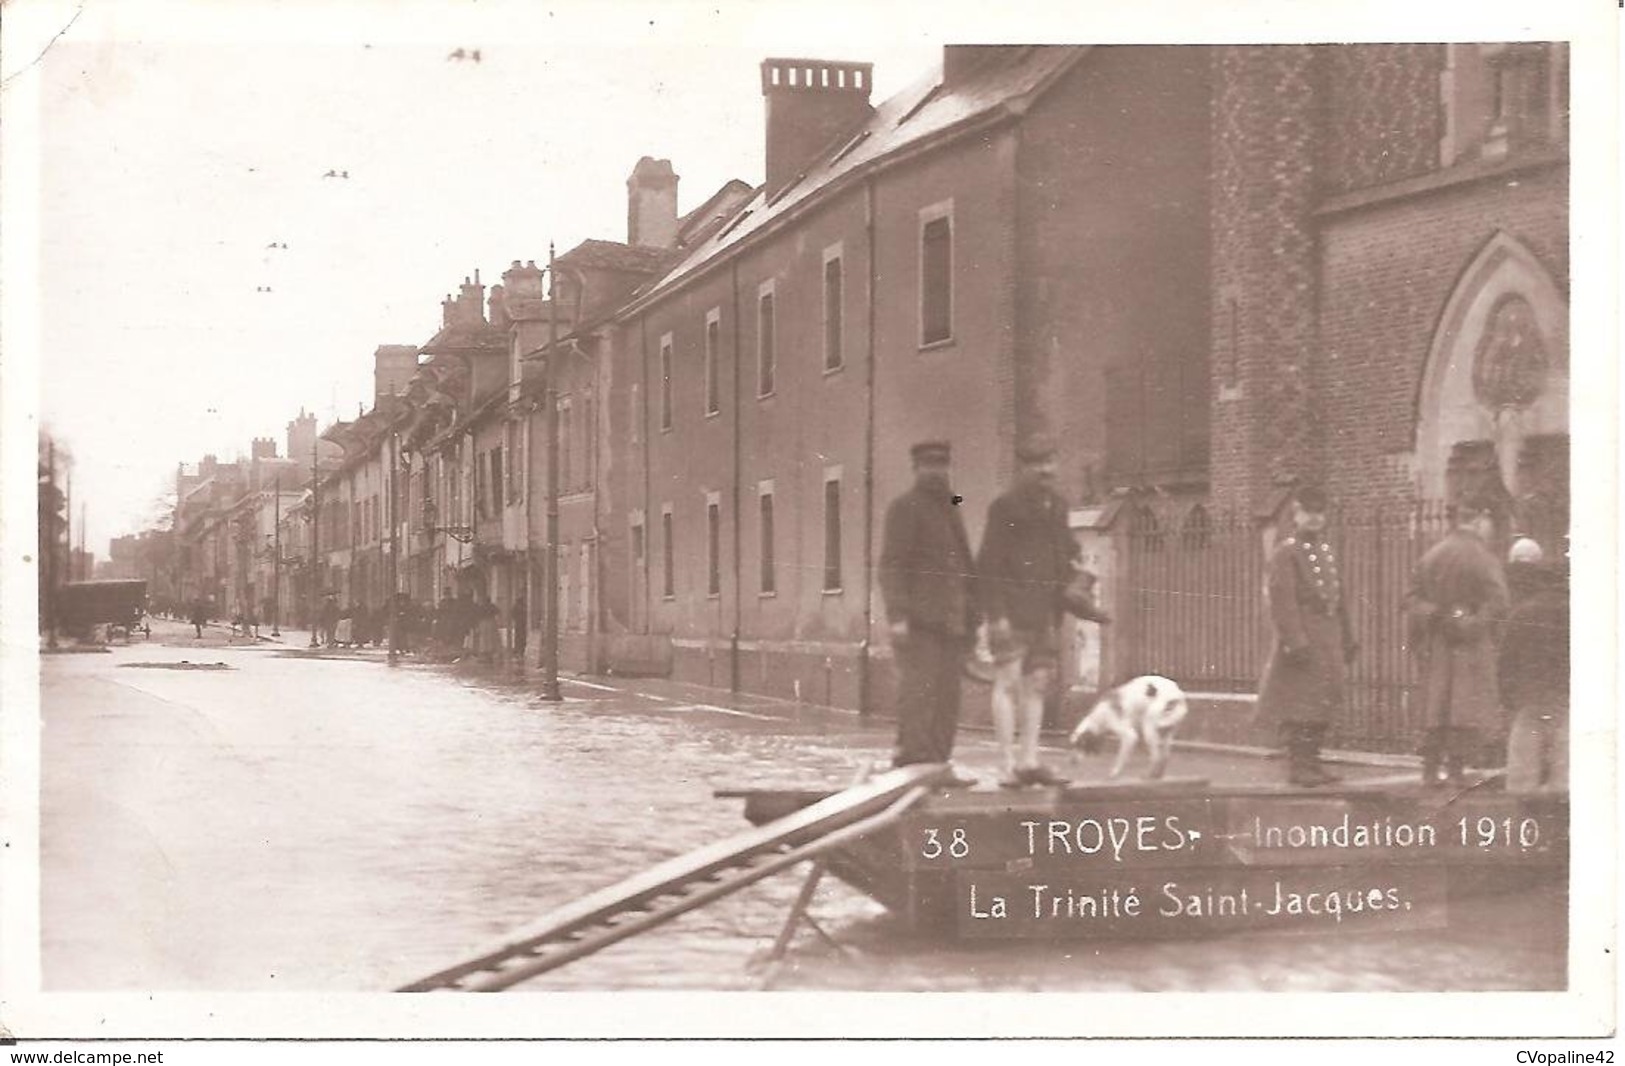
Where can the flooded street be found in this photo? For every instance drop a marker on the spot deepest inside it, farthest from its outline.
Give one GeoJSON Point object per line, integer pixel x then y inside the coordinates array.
{"type": "Point", "coordinates": [310, 823]}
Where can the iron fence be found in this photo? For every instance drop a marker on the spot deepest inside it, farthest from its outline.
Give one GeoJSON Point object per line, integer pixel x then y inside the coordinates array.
{"type": "Point", "coordinates": [1194, 608]}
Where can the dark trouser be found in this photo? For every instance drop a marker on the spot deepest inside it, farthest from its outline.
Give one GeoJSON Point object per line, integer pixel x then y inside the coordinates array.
{"type": "Point", "coordinates": [928, 675]}
{"type": "Point", "coordinates": [1455, 746]}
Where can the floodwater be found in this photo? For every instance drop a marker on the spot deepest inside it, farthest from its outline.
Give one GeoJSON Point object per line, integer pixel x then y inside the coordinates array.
{"type": "Point", "coordinates": [306, 823]}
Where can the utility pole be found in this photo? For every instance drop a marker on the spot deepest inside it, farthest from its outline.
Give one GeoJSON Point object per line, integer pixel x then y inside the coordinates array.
{"type": "Point", "coordinates": [550, 564]}
{"type": "Point", "coordinates": [84, 560]}
{"type": "Point", "coordinates": [315, 539]}
{"type": "Point", "coordinates": [50, 544]}
{"type": "Point", "coordinates": [392, 605]}
{"type": "Point", "coordinates": [276, 556]}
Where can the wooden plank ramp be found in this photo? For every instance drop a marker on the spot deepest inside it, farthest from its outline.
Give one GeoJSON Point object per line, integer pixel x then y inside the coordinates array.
{"type": "Point", "coordinates": [678, 885]}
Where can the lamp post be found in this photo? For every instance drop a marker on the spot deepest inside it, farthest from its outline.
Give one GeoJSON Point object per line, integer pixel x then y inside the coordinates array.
{"type": "Point", "coordinates": [550, 562]}
{"type": "Point", "coordinates": [276, 558]}
{"type": "Point", "coordinates": [315, 540]}
{"type": "Point", "coordinates": [392, 607]}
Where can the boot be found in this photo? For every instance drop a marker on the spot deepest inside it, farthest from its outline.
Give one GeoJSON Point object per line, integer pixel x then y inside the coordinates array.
{"type": "Point", "coordinates": [1432, 753]}
{"type": "Point", "coordinates": [1314, 740]}
{"type": "Point", "coordinates": [1303, 770]}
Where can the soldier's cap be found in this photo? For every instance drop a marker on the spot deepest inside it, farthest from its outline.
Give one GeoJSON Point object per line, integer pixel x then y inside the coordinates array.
{"type": "Point", "coordinates": [1311, 498]}
{"type": "Point", "coordinates": [931, 451]}
{"type": "Point", "coordinates": [1035, 448]}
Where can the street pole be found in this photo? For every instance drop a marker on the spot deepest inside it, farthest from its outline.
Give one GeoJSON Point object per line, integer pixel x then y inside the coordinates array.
{"type": "Point", "coordinates": [392, 605]}
{"type": "Point", "coordinates": [315, 539]}
{"type": "Point", "coordinates": [276, 558]}
{"type": "Point", "coordinates": [50, 546]}
{"type": "Point", "coordinates": [550, 564]}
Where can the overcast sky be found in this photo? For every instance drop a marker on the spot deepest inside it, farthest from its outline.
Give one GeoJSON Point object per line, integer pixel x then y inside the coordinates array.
{"type": "Point", "coordinates": [168, 166]}
{"type": "Point", "coordinates": [177, 140]}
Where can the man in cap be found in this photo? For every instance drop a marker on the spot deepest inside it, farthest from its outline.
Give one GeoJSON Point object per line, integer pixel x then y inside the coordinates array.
{"type": "Point", "coordinates": [1305, 682]}
{"type": "Point", "coordinates": [1457, 599]}
{"type": "Point", "coordinates": [1028, 558]}
{"type": "Point", "coordinates": [927, 576]}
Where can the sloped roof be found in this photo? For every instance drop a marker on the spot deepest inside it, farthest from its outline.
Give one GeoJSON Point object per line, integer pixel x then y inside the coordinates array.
{"type": "Point", "coordinates": [924, 110]}
{"type": "Point", "coordinates": [463, 336]}
{"type": "Point", "coordinates": [612, 255]}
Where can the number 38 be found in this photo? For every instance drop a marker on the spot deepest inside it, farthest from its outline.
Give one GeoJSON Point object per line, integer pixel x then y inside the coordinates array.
{"type": "Point", "coordinates": [957, 846]}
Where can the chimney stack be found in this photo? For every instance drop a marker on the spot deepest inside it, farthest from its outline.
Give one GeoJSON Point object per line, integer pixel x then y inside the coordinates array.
{"type": "Point", "coordinates": [392, 368]}
{"type": "Point", "coordinates": [651, 204]}
{"type": "Point", "coordinates": [498, 305]}
{"type": "Point", "coordinates": [809, 103]}
{"type": "Point", "coordinates": [470, 306]}
{"type": "Point", "coordinates": [523, 295]}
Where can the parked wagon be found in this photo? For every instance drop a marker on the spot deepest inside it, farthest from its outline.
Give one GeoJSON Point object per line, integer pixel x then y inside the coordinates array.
{"type": "Point", "coordinates": [121, 606]}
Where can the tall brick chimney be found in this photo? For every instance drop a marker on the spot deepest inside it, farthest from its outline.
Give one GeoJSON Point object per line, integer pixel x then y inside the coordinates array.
{"type": "Point", "coordinates": [392, 368]}
{"type": "Point", "coordinates": [809, 103]}
{"type": "Point", "coordinates": [470, 309]}
{"type": "Point", "coordinates": [651, 204]}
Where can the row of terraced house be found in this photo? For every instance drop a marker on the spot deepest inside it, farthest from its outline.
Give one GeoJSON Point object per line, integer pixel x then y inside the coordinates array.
{"type": "Point", "coordinates": [1207, 271]}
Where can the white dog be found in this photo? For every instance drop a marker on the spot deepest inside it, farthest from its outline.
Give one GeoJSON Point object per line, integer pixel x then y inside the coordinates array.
{"type": "Point", "coordinates": [1147, 708]}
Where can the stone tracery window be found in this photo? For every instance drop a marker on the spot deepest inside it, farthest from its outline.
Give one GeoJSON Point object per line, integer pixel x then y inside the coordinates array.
{"type": "Point", "coordinates": [1510, 363]}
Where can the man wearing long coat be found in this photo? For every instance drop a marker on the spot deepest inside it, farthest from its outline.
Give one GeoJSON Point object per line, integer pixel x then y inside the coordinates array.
{"type": "Point", "coordinates": [1457, 599]}
{"type": "Point", "coordinates": [927, 576]}
{"type": "Point", "coordinates": [1305, 684]}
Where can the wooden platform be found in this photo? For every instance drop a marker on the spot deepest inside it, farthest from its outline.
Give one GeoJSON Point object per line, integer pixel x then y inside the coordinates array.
{"type": "Point", "coordinates": [1196, 859]}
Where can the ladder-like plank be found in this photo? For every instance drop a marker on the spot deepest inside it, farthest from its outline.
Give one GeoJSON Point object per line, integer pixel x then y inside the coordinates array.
{"type": "Point", "coordinates": [686, 882]}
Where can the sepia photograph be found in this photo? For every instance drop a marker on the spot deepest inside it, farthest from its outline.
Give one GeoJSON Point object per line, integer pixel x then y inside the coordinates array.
{"type": "Point", "coordinates": [762, 503]}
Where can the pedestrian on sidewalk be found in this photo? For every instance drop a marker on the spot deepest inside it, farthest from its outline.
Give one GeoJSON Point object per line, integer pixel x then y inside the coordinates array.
{"type": "Point", "coordinates": [329, 619]}
{"type": "Point", "coordinates": [1532, 671]}
{"type": "Point", "coordinates": [1028, 559]}
{"type": "Point", "coordinates": [927, 577]}
{"type": "Point", "coordinates": [1457, 599]}
{"type": "Point", "coordinates": [519, 621]}
{"type": "Point", "coordinates": [200, 614]}
{"type": "Point", "coordinates": [1305, 686]}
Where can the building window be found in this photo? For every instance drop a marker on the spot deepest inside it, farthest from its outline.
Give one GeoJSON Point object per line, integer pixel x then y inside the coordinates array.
{"type": "Point", "coordinates": [586, 586]}
{"type": "Point", "coordinates": [665, 382]}
{"type": "Point", "coordinates": [668, 575]}
{"type": "Point", "coordinates": [713, 342]}
{"type": "Point", "coordinates": [497, 480]}
{"type": "Point", "coordinates": [637, 548]}
{"type": "Point", "coordinates": [765, 355]}
{"type": "Point", "coordinates": [635, 415]}
{"type": "Point", "coordinates": [936, 274]}
{"type": "Point", "coordinates": [832, 530]}
{"type": "Point", "coordinates": [764, 504]}
{"type": "Point", "coordinates": [834, 357]}
{"type": "Point", "coordinates": [713, 544]}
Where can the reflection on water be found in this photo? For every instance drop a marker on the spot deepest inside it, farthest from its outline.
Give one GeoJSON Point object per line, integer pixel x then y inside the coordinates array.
{"type": "Point", "coordinates": [301, 823]}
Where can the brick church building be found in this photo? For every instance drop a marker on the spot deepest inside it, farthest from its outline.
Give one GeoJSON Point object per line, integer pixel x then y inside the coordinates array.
{"type": "Point", "coordinates": [1207, 270]}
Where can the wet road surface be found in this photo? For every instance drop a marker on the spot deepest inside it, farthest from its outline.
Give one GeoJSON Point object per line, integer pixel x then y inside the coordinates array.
{"type": "Point", "coordinates": [303, 823]}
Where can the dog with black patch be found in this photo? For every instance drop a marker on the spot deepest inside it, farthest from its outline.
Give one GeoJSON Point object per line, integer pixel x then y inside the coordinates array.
{"type": "Point", "coordinates": [1147, 709]}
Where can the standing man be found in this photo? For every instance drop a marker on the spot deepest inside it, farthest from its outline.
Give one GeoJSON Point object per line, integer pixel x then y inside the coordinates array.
{"type": "Point", "coordinates": [519, 620]}
{"type": "Point", "coordinates": [1457, 600]}
{"type": "Point", "coordinates": [1306, 679]}
{"type": "Point", "coordinates": [927, 576]}
{"type": "Point", "coordinates": [1028, 558]}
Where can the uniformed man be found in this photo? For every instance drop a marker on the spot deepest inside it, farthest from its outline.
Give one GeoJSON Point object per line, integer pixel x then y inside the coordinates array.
{"type": "Point", "coordinates": [927, 576]}
{"type": "Point", "coordinates": [1028, 558]}
{"type": "Point", "coordinates": [1456, 602]}
{"type": "Point", "coordinates": [1306, 679]}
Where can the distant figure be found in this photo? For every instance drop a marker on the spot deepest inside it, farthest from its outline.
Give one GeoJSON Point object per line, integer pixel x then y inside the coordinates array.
{"type": "Point", "coordinates": [927, 576]}
{"type": "Point", "coordinates": [519, 620]}
{"type": "Point", "coordinates": [251, 623]}
{"type": "Point", "coordinates": [1532, 671]}
{"type": "Point", "coordinates": [1028, 559]}
{"type": "Point", "coordinates": [1305, 685]}
{"type": "Point", "coordinates": [1457, 598]}
{"type": "Point", "coordinates": [200, 614]}
{"type": "Point", "coordinates": [329, 619]}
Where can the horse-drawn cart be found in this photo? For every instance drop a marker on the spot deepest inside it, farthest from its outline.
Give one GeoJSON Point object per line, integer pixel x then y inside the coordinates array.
{"type": "Point", "coordinates": [120, 605]}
